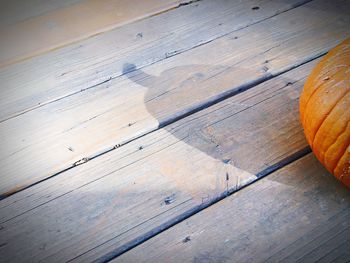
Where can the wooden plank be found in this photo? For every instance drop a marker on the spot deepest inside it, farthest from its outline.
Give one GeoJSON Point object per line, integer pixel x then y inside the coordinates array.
{"type": "Point", "coordinates": [83, 65]}
{"type": "Point", "coordinates": [69, 24]}
{"type": "Point", "coordinates": [278, 219]}
{"type": "Point", "coordinates": [99, 207]}
{"type": "Point", "coordinates": [337, 255]}
{"type": "Point", "coordinates": [14, 11]}
{"type": "Point", "coordinates": [57, 136]}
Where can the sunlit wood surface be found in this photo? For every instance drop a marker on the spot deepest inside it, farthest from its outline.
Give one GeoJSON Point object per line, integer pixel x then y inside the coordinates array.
{"type": "Point", "coordinates": [165, 131]}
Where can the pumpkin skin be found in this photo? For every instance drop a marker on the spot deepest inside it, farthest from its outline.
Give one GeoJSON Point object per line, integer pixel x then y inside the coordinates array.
{"type": "Point", "coordinates": [325, 111]}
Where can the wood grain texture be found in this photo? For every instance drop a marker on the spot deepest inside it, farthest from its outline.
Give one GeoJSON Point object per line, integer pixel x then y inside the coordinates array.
{"type": "Point", "coordinates": [297, 214]}
{"type": "Point", "coordinates": [59, 135]}
{"type": "Point", "coordinates": [72, 23]}
{"type": "Point", "coordinates": [94, 209]}
{"type": "Point", "coordinates": [80, 66]}
{"type": "Point", "coordinates": [15, 11]}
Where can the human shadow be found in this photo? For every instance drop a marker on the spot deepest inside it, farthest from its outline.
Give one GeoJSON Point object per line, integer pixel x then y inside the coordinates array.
{"type": "Point", "coordinates": [170, 91]}
{"type": "Point", "coordinates": [222, 133]}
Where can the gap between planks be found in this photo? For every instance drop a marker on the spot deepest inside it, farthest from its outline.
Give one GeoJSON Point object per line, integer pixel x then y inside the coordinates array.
{"type": "Point", "coordinates": [168, 55]}
{"type": "Point", "coordinates": [58, 28]}
{"type": "Point", "coordinates": [319, 47]}
{"type": "Point", "coordinates": [174, 117]}
{"type": "Point", "coordinates": [217, 99]}
{"type": "Point", "coordinates": [272, 100]}
{"type": "Point", "coordinates": [16, 11]}
{"type": "Point", "coordinates": [297, 214]}
{"type": "Point", "coordinates": [199, 208]}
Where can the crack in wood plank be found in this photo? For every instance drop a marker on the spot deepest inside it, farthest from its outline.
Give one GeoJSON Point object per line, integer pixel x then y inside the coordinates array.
{"type": "Point", "coordinates": [168, 55]}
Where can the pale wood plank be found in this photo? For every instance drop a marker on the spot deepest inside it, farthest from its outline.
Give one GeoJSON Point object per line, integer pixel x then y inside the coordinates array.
{"type": "Point", "coordinates": [98, 207]}
{"type": "Point", "coordinates": [58, 135]}
{"type": "Point", "coordinates": [69, 24]}
{"type": "Point", "coordinates": [14, 11]}
{"type": "Point", "coordinates": [80, 66]}
{"type": "Point", "coordinates": [288, 213]}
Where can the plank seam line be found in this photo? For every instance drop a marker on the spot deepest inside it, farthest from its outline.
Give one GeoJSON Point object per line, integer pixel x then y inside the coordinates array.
{"type": "Point", "coordinates": [104, 30]}
{"type": "Point", "coordinates": [90, 182]}
{"type": "Point", "coordinates": [134, 227]}
{"type": "Point", "coordinates": [323, 242]}
{"type": "Point", "coordinates": [343, 214]}
{"type": "Point", "coordinates": [347, 254]}
{"type": "Point", "coordinates": [233, 92]}
{"type": "Point", "coordinates": [193, 211]}
{"type": "Point", "coordinates": [168, 55]}
{"type": "Point", "coordinates": [176, 117]}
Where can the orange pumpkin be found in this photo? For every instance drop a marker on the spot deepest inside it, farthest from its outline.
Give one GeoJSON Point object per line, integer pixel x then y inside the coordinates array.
{"type": "Point", "coordinates": [325, 111]}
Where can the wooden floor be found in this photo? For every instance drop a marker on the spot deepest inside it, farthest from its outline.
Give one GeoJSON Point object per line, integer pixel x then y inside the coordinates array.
{"type": "Point", "coordinates": [165, 131]}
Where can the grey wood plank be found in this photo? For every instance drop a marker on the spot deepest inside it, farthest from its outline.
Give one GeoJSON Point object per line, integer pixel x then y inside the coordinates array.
{"type": "Point", "coordinates": [339, 254]}
{"type": "Point", "coordinates": [72, 23]}
{"type": "Point", "coordinates": [300, 205]}
{"type": "Point", "coordinates": [98, 208]}
{"type": "Point", "coordinates": [59, 135]}
{"type": "Point", "coordinates": [328, 245]}
{"type": "Point", "coordinates": [83, 65]}
{"type": "Point", "coordinates": [316, 244]}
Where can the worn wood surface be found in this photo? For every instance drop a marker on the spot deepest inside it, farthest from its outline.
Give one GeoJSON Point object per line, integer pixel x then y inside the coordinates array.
{"type": "Point", "coordinates": [297, 214]}
{"type": "Point", "coordinates": [15, 11]}
{"type": "Point", "coordinates": [49, 139]}
{"type": "Point", "coordinates": [72, 23]}
{"type": "Point", "coordinates": [142, 103]}
{"type": "Point", "coordinates": [83, 65]}
{"type": "Point", "coordinates": [97, 208]}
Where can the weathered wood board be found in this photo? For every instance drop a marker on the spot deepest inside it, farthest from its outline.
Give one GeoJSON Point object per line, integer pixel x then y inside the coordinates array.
{"type": "Point", "coordinates": [71, 23]}
{"type": "Point", "coordinates": [98, 208]}
{"type": "Point", "coordinates": [297, 214]}
{"type": "Point", "coordinates": [15, 11]}
{"type": "Point", "coordinates": [57, 136]}
{"type": "Point", "coordinates": [83, 65]}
